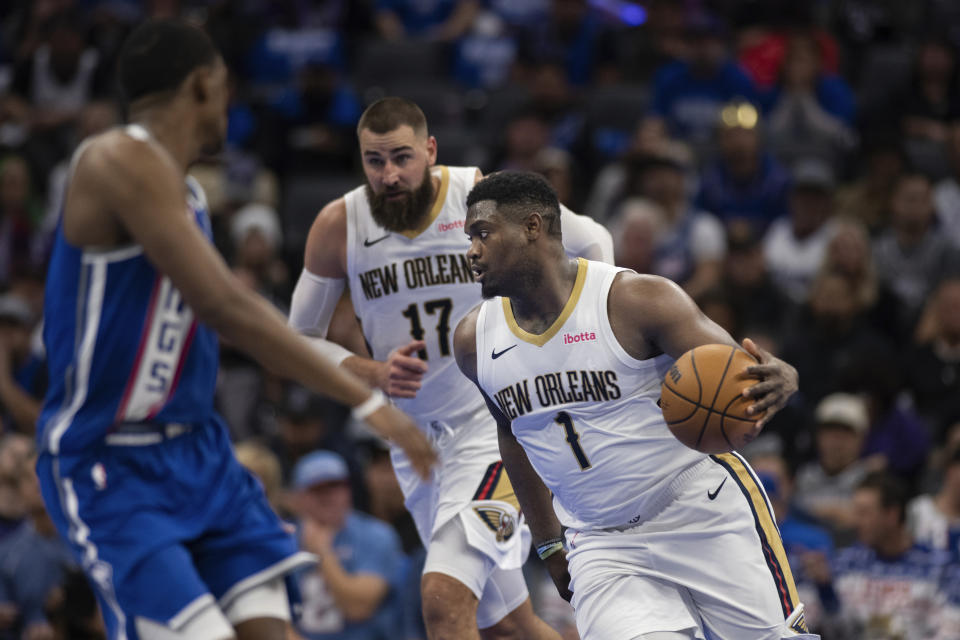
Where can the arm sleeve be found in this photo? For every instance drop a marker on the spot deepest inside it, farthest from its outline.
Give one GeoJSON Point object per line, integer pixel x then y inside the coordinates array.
{"type": "Point", "coordinates": [314, 301]}
{"type": "Point", "coordinates": [584, 237]}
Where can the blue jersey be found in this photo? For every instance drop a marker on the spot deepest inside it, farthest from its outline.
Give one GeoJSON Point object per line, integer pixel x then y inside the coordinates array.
{"type": "Point", "coordinates": [122, 345]}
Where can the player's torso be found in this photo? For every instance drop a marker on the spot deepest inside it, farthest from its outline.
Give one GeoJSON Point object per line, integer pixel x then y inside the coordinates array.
{"type": "Point", "coordinates": [584, 410]}
{"type": "Point", "coordinates": [406, 287]}
{"type": "Point", "coordinates": [122, 344]}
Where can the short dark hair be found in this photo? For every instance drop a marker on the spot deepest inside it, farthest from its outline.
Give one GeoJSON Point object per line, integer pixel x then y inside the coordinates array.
{"type": "Point", "coordinates": [517, 194]}
{"type": "Point", "coordinates": [159, 55]}
{"type": "Point", "coordinates": [386, 114]}
{"type": "Point", "coordinates": [891, 490]}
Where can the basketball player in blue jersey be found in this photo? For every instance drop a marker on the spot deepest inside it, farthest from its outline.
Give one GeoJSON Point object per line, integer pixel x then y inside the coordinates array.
{"type": "Point", "coordinates": [398, 241]}
{"type": "Point", "coordinates": [662, 542]}
{"type": "Point", "coordinates": [136, 468]}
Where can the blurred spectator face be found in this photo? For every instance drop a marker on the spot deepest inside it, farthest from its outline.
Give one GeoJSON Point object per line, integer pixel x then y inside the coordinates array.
{"type": "Point", "coordinates": [526, 136]}
{"type": "Point", "coordinates": [849, 250]}
{"type": "Point", "coordinates": [556, 166]}
{"type": "Point", "coordinates": [948, 310]}
{"type": "Point", "coordinates": [801, 64]}
{"type": "Point", "coordinates": [14, 449]}
{"type": "Point", "coordinates": [745, 266]}
{"type": "Point", "coordinates": [833, 302]}
{"type": "Point", "coordinates": [397, 166]}
{"type": "Point", "coordinates": [651, 136]}
{"type": "Point", "coordinates": [550, 89]}
{"type": "Point", "coordinates": [884, 166]}
{"type": "Point", "coordinates": [255, 250]}
{"type": "Point", "coordinates": [740, 148]}
{"type": "Point", "coordinates": [775, 467]}
{"type": "Point", "coordinates": [14, 184]}
{"type": "Point", "coordinates": [327, 503]}
{"type": "Point", "coordinates": [935, 62]}
{"type": "Point", "coordinates": [66, 45]}
{"type": "Point", "coordinates": [635, 230]}
{"type": "Point", "coordinates": [707, 52]}
{"type": "Point", "coordinates": [912, 206]}
{"type": "Point", "coordinates": [809, 209]}
{"type": "Point", "coordinates": [666, 186]}
{"type": "Point", "coordinates": [30, 487]}
{"type": "Point", "coordinates": [874, 522]}
{"type": "Point", "coordinates": [838, 447]}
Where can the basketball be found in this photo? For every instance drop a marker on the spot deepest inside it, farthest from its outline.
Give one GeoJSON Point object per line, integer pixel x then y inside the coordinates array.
{"type": "Point", "coordinates": [701, 398]}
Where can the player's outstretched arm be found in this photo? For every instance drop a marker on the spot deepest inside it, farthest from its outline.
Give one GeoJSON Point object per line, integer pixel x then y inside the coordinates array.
{"type": "Point", "coordinates": [650, 315]}
{"type": "Point", "coordinates": [138, 183]}
{"type": "Point", "coordinates": [315, 300]}
{"type": "Point", "coordinates": [535, 499]}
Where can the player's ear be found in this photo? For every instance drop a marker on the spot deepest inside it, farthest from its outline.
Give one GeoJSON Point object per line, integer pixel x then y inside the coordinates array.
{"type": "Point", "coordinates": [534, 226]}
{"type": "Point", "coordinates": [431, 151]}
{"type": "Point", "coordinates": [200, 83]}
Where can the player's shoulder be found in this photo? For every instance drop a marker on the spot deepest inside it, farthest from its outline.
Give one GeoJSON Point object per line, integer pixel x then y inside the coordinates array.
{"type": "Point", "coordinates": [119, 152]}
{"type": "Point", "coordinates": [331, 220]}
{"type": "Point", "coordinates": [653, 299]}
{"type": "Point", "coordinates": [630, 284]}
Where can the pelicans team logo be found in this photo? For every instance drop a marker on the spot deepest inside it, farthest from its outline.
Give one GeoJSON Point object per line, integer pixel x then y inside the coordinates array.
{"type": "Point", "coordinates": [499, 521]}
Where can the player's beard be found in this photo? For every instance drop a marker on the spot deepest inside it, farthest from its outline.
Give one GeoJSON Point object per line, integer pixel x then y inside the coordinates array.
{"type": "Point", "coordinates": [405, 213]}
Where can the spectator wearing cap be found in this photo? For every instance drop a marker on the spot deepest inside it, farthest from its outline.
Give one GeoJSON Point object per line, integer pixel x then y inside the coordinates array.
{"type": "Point", "coordinates": [934, 518]}
{"type": "Point", "coordinates": [691, 244]}
{"type": "Point", "coordinates": [912, 255]}
{"type": "Point", "coordinates": [22, 371]}
{"type": "Point", "coordinates": [794, 246]}
{"type": "Point", "coordinates": [825, 486]}
{"type": "Point", "coordinates": [689, 94]}
{"type": "Point", "coordinates": [745, 182]}
{"type": "Point", "coordinates": [257, 241]}
{"type": "Point", "coordinates": [888, 585]}
{"type": "Point", "coordinates": [352, 594]}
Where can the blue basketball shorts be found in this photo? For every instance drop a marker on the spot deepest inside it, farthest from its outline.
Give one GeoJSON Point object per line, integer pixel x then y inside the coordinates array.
{"type": "Point", "coordinates": [166, 529]}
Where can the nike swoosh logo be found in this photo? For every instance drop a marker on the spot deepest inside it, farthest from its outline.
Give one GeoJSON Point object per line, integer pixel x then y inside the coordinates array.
{"type": "Point", "coordinates": [714, 494]}
{"type": "Point", "coordinates": [496, 355]}
{"type": "Point", "coordinates": [369, 243]}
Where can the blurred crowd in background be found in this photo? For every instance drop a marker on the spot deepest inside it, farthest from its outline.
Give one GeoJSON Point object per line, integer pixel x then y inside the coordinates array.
{"type": "Point", "coordinates": [794, 166]}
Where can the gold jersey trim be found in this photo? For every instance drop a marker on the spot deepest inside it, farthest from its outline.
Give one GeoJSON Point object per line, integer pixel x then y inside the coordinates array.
{"type": "Point", "coordinates": [542, 338]}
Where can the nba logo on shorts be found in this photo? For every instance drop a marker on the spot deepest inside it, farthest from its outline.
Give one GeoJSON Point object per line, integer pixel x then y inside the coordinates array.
{"type": "Point", "coordinates": [99, 476]}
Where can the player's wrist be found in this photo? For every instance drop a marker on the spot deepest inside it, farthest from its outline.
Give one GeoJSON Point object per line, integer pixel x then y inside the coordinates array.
{"type": "Point", "coordinates": [373, 403]}
{"type": "Point", "coordinates": [549, 547]}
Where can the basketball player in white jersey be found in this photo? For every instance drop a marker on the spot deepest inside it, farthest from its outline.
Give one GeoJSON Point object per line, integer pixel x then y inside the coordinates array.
{"type": "Point", "coordinates": [399, 243]}
{"type": "Point", "coordinates": [663, 542]}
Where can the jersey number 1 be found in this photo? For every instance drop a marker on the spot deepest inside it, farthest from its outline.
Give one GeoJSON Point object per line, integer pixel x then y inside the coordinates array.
{"type": "Point", "coordinates": [573, 439]}
{"type": "Point", "coordinates": [445, 306]}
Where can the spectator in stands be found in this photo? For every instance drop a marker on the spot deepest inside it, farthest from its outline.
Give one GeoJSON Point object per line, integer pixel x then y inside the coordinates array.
{"type": "Point", "coordinates": [800, 534]}
{"type": "Point", "coordinates": [912, 256]}
{"type": "Point", "coordinates": [756, 300]}
{"type": "Point", "coordinates": [868, 198]}
{"type": "Point", "coordinates": [934, 519]}
{"type": "Point", "coordinates": [556, 165]}
{"type": "Point", "coordinates": [946, 195]}
{"type": "Point", "coordinates": [932, 101]}
{"type": "Point", "coordinates": [932, 366]}
{"type": "Point", "coordinates": [690, 94]}
{"type": "Point", "coordinates": [261, 462]}
{"type": "Point", "coordinates": [809, 112]}
{"type": "Point", "coordinates": [257, 244]}
{"type": "Point", "coordinates": [436, 20]}
{"type": "Point", "coordinates": [14, 449]}
{"type": "Point", "coordinates": [526, 134]}
{"type": "Point", "coordinates": [887, 584]}
{"type": "Point", "coordinates": [573, 37]}
{"type": "Point", "coordinates": [636, 229]}
{"type": "Point", "coordinates": [352, 593]}
{"type": "Point", "coordinates": [745, 182]}
{"type": "Point", "coordinates": [33, 560]}
{"type": "Point", "coordinates": [22, 378]}
{"type": "Point", "coordinates": [75, 615]}
{"type": "Point", "coordinates": [825, 486]}
{"type": "Point", "coordinates": [794, 246]}
{"type": "Point", "coordinates": [830, 332]}
{"type": "Point", "coordinates": [21, 246]}
{"type": "Point", "coordinates": [691, 244]}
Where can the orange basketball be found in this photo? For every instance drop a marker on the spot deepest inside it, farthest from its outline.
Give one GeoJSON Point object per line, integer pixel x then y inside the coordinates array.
{"type": "Point", "coordinates": [701, 398]}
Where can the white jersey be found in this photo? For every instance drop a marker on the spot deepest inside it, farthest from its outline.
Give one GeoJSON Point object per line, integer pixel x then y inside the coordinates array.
{"type": "Point", "coordinates": [583, 409]}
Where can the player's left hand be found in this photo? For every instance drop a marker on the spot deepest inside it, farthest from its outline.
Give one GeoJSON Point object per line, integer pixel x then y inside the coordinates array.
{"type": "Point", "coordinates": [778, 381]}
{"type": "Point", "coordinates": [557, 566]}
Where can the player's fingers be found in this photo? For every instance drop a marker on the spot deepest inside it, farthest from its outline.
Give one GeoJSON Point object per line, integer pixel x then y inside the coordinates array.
{"type": "Point", "coordinates": [751, 347]}
{"type": "Point", "coordinates": [411, 347]}
{"type": "Point", "coordinates": [761, 371]}
{"type": "Point", "coordinates": [406, 385]}
{"type": "Point", "coordinates": [760, 389]}
{"type": "Point", "coordinates": [408, 363]}
{"type": "Point", "coordinates": [400, 373]}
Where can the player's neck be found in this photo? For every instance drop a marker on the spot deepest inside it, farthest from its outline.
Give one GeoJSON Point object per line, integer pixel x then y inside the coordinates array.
{"type": "Point", "coordinates": [542, 295]}
{"type": "Point", "coordinates": [167, 127]}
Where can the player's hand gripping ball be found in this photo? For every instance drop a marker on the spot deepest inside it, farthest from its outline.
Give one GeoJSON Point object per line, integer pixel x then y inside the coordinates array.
{"type": "Point", "coordinates": [702, 398]}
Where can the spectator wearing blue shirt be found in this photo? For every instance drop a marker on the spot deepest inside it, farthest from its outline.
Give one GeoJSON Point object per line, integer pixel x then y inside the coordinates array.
{"type": "Point", "coordinates": [888, 585]}
{"type": "Point", "coordinates": [353, 594]}
{"type": "Point", "coordinates": [690, 94]}
{"type": "Point", "coordinates": [436, 20]}
{"type": "Point", "coordinates": [22, 372]}
{"type": "Point", "coordinates": [745, 183]}
{"type": "Point", "coordinates": [33, 562]}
